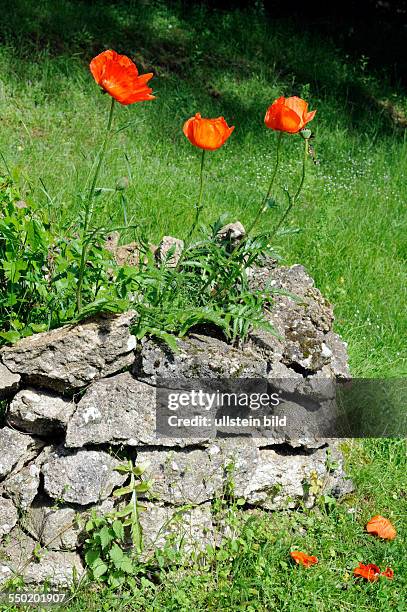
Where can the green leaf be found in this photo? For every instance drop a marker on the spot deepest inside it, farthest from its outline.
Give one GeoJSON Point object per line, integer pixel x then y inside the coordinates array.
{"type": "Point", "coordinates": [116, 554]}
{"type": "Point", "coordinates": [100, 569]}
{"type": "Point", "coordinates": [10, 336]}
{"type": "Point", "coordinates": [123, 491]}
{"type": "Point", "coordinates": [118, 529]}
{"type": "Point", "coordinates": [106, 536]}
{"type": "Point", "coordinates": [92, 557]}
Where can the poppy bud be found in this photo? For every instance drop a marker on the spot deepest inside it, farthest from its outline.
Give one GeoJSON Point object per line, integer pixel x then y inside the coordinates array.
{"type": "Point", "coordinates": [209, 134]}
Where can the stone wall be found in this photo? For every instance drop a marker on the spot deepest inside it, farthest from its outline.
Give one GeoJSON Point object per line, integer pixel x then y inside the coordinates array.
{"type": "Point", "coordinates": [77, 396]}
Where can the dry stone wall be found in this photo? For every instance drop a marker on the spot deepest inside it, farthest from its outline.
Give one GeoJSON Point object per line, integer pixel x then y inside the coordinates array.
{"type": "Point", "coordinates": [76, 396]}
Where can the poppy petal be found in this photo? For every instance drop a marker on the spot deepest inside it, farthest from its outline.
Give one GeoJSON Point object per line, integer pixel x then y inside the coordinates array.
{"type": "Point", "coordinates": [302, 558]}
{"type": "Point", "coordinates": [369, 572]}
{"type": "Point", "coordinates": [298, 105]}
{"type": "Point", "coordinates": [388, 573]}
{"type": "Point", "coordinates": [382, 527]}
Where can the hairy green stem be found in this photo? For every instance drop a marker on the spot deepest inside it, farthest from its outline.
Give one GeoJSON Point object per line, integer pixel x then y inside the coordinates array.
{"type": "Point", "coordinates": [273, 176]}
{"type": "Point", "coordinates": [201, 185]}
{"type": "Point", "coordinates": [293, 199]}
{"type": "Point", "coordinates": [89, 210]}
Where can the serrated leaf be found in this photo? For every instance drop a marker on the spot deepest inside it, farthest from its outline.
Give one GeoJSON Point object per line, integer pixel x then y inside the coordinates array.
{"type": "Point", "coordinates": [100, 569]}
{"type": "Point", "coordinates": [105, 536]}
{"type": "Point", "coordinates": [118, 529]}
{"type": "Point", "coordinates": [116, 554]}
{"type": "Point", "coordinates": [92, 556]}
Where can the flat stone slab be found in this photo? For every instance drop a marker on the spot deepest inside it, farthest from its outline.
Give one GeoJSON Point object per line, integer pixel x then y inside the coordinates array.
{"type": "Point", "coordinates": [56, 568]}
{"type": "Point", "coordinates": [22, 486]}
{"type": "Point", "coordinates": [181, 477]}
{"type": "Point", "coordinates": [15, 449]}
{"type": "Point", "coordinates": [187, 529]}
{"type": "Point", "coordinates": [8, 382]}
{"type": "Point", "coordinates": [268, 477]}
{"type": "Point", "coordinates": [200, 357]}
{"type": "Point", "coordinates": [85, 477]}
{"type": "Point", "coordinates": [117, 410]}
{"type": "Point", "coordinates": [73, 356]}
{"type": "Point", "coordinates": [8, 516]}
{"type": "Point", "coordinates": [39, 412]}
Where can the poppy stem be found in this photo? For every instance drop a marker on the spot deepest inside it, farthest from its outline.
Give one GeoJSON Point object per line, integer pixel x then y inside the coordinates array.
{"type": "Point", "coordinates": [267, 196]}
{"type": "Point", "coordinates": [89, 210]}
{"type": "Point", "coordinates": [201, 185]}
{"type": "Point", "coordinates": [293, 199]}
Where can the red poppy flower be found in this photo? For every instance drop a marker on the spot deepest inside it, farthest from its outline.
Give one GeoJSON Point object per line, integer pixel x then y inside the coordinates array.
{"type": "Point", "coordinates": [369, 572]}
{"type": "Point", "coordinates": [119, 77]}
{"type": "Point", "coordinates": [288, 115]}
{"type": "Point", "coordinates": [209, 134]}
{"type": "Point", "coordinates": [382, 527]}
{"type": "Point", "coordinates": [303, 559]}
{"type": "Point", "coordinates": [388, 573]}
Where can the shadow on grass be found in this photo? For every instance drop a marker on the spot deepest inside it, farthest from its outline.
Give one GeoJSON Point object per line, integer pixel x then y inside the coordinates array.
{"type": "Point", "coordinates": [199, 47]}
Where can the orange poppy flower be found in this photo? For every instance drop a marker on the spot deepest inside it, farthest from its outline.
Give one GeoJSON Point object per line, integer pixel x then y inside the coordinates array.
{"type": "Point", "coordinates": [388, 573]}
{"type": "Point", "coordinates": [119, 77]}
{"type": "Point", "coordinates": [288, 115]}
{"type": "Point", "coordinates": [209, 134]}
{"type": "Point", "coordinates": [382, 527]}
{"type": "Point", "coordinates": [303, 559]}
{"type": "Point", "coordinates": [369, 572]}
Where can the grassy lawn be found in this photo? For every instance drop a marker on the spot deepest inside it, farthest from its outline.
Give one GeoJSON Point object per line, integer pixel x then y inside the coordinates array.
{"type": "Point", "coordinates": [352, 236]}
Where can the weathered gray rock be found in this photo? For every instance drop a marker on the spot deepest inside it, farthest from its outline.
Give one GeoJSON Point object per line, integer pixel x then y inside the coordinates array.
{"type": "Point", "coordinates": [22, 486]}
{"type": "Point", "coordinates": [8, 516]}
{"type": "Point", "coordinates": [303, 319]}
{"type": "Point", "coordinates": [232, 232]}
{"type": "Point", "coordinates": [9, 382]}
{"type": "Point", "coordinates": [339, 360]}
{"type": "Point", "coordinates": [56, 528]}
{"type": "Point", "coordinates": [39, 412]}
{"type": "Point", "coordinates": [276, 479]}
{"type": "Point", "coordinates": [72, 356]}
{"type": "Point", "coordinates": [188, 529]}
{"type": "Point", "coordinates": [269, 477]}
{"type": "Point", "coordinates": [16, 449]}
{"type": "Point", "coordinates": [16, 559]}
{"type": "Point", "coordinates": [181, 477]}
{"type": "Point", "coordinates": [169, 251]}
{"type": "Point", "coordinates": [83, 478]}
{"type": "Point", "coordinates": [16, 550]}
{"type": "Point", "coordinates": [57, 568]}
{"type": "Point", "coordinates": [200, 357]}
{"type": "Point", "coordinates": [117, 409]}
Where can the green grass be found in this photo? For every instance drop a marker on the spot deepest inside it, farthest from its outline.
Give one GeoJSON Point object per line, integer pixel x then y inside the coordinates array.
{"type": "Point", "coordinates": [352, 238]}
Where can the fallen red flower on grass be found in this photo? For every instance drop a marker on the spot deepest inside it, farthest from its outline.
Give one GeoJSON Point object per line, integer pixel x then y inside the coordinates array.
{"type": "Point", "coordinates": [382, 527]}
{"type": "Point", "coordinates": [288, 115]}
{"type": "Point", "coordinates": [303, 559]}
{"type": "Point", "coordinates": [208, 134]}
{"type": "Point", "coordinates": [119, 77]}
{"type": "Point", "coordinates": [371, 572]}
